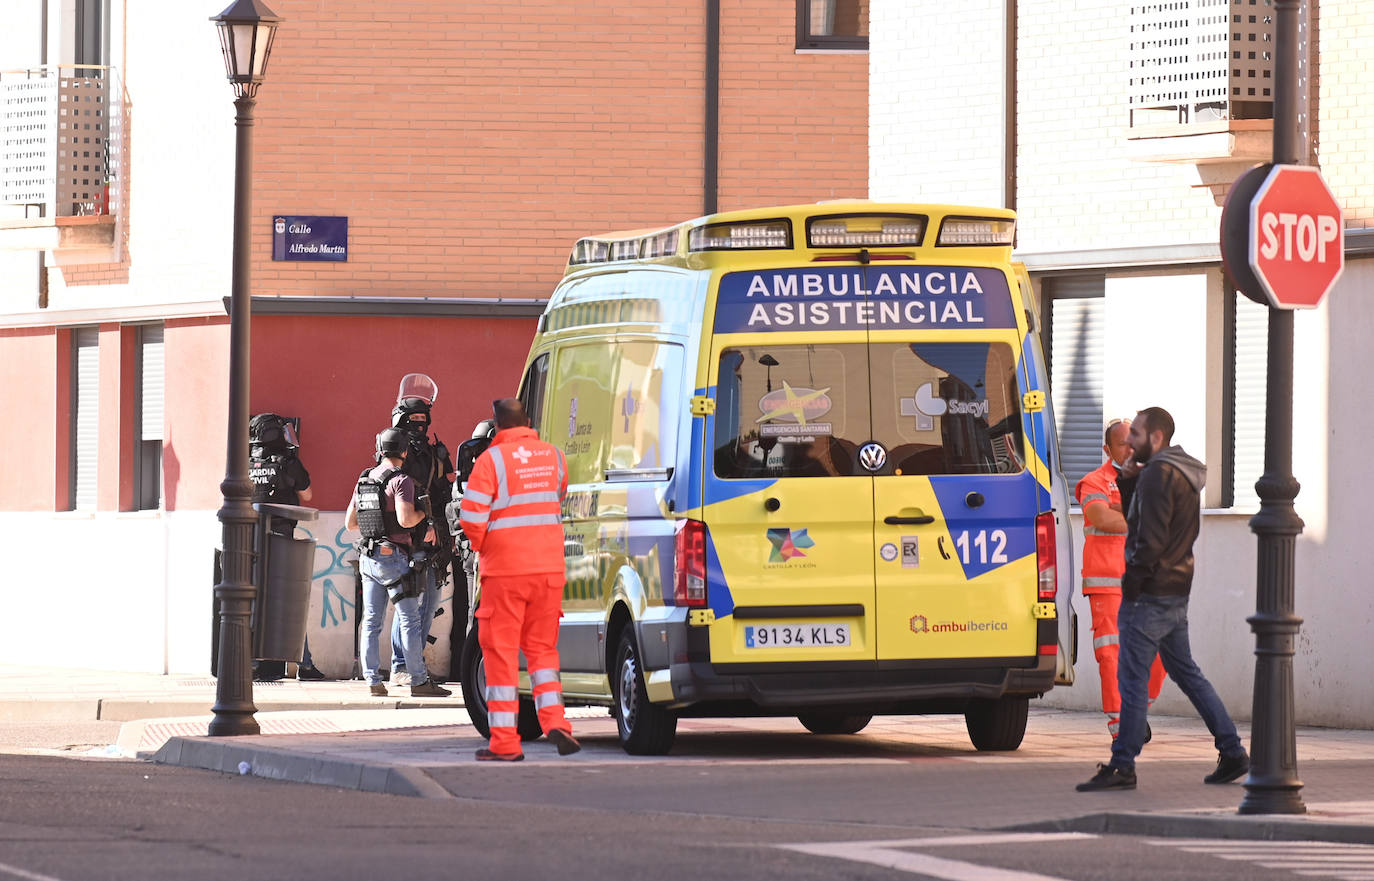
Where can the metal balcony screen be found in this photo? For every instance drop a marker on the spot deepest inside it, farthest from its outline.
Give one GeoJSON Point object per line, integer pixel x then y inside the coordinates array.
{"type": "Point", "coordinates": [1201, 61]}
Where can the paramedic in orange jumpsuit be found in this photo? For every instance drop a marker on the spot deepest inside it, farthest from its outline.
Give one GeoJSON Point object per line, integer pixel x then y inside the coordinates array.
{"type": "Point", "coordinates": [1104, 562]}
{"type": "Point", "coordinates": [512, 513]}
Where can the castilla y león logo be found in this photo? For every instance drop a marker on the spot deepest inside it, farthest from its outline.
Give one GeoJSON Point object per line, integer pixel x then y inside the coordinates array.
{"type": "Point", "coordinates": [787, 543]}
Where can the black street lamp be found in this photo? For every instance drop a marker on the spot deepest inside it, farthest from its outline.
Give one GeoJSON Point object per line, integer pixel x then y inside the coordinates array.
{"type": "Point", "coordinates": [246, 29]}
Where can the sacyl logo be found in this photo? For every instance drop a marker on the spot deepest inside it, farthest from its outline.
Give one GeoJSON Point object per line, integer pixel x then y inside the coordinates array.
{"type": "Point", "coordinates": [925, 405]}
{"type": "Point", "coordinates": [522, 454]}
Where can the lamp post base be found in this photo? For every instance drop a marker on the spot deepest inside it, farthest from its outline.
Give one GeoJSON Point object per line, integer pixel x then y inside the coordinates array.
{"type": "Point", "coordinates": [1279, 799]}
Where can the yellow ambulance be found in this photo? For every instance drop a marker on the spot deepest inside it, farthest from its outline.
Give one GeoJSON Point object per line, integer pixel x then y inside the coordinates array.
{"type": "Point", "coordinates": [812, 470]}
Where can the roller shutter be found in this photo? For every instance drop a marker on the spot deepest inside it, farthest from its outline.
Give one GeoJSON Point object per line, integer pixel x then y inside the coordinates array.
{"type": "Point", "coordinates": [85, 416]}
{"type": "Point", "coordinates": [1077, 365]}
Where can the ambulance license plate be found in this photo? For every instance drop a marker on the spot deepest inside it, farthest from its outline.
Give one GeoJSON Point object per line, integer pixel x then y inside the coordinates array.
{"type": "Point", "coordinates": [795, 635]}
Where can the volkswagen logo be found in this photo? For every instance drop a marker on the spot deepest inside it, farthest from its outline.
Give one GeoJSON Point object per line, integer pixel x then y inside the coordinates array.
{"type": "Point", "coordinates": [872, 456]}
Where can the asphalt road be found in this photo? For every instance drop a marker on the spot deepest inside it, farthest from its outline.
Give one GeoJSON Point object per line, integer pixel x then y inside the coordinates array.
{"type": "Point", "coordinates": [729, 805]}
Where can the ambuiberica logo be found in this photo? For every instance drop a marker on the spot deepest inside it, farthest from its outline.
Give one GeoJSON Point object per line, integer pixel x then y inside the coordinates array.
{"type": "Point", "coordinates": [922, 624]}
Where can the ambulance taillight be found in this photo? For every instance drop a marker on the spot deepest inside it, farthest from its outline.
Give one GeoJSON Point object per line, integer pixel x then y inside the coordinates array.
{"type": "Point", "coordinates": [689, 584]}
{"type": "Point", "coordinates": [1045, 555]}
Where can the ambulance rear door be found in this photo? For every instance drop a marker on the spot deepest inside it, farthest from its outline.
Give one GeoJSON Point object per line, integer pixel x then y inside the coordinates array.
{"type": "Point", "coordinates": [788, 513]}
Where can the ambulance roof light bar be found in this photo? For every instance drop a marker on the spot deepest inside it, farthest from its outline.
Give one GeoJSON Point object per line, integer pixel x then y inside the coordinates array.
{"type": "Point", "coordinates": [743, 235]}
{"type": "Point", "coordinates": [960, 232]}
{"type": "Point", "coordinates": [865, 230]}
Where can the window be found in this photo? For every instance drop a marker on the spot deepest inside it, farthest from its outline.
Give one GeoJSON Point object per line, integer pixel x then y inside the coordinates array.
{"type": "Point", "coordinates": [804, 411]}
{"type": "Point", "coordinates": [1077, 358]}
{"type": "Point", "coordinates": [580, 409]}
{"type": "Point", "coordinates": [148, 420]}
{"type": "Point", "coordinates": [832, 24]}
{"type": "Point", "coordinates": [532, 390]}
{"type": "Point", "coordinates": [643, 430]}
{"type": "Point", "coordinates": [85, 404]}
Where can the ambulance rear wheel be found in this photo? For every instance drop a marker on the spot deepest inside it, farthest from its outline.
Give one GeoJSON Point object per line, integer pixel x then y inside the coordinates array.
{"type": "Point", "coordinates": [645, 729]}
{"type": "Point", "coordinates": [997, 725]}
{"type": "Point", "coordinates": [473, 681]}
{"type": "Point", "coordinates": [834, 722]}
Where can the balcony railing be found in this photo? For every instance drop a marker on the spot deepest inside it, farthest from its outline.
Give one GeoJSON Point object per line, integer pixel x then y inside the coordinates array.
{"type": "Point", "coordinates": [1201, 61]}
{"type": "Point", "coordinates": [61, 136]}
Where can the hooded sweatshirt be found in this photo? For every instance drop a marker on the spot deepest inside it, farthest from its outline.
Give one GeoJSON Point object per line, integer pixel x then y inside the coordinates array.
{"type": "Point", "coordinates": [1162, 524]}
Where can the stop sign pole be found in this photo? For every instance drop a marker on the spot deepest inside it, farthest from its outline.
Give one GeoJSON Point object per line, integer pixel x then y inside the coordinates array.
{"type": "Point", "coordinates": [1275, 257]}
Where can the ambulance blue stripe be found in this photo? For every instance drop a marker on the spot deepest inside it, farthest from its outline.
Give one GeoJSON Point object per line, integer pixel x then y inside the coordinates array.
{"type": "Point", "coordinates": [1005, 508]}
{"type": "Point", "coordinates": [1037, 425]}
{"type": "Point", "coordinates": [718, 595]}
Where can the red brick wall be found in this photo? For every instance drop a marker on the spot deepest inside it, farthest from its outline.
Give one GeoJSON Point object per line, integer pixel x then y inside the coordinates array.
{"type": "Point", "coordinates": [470, 144]}
{"type": "Point", "coordinates": [793, 127]}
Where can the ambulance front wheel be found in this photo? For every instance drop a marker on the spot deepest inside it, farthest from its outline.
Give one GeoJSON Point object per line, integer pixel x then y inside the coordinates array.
{"type": "Point", "coordinates": [473, 681]}
{"type": "Point", "coordinates": [834, 722]}
{"type": "Point", "coordinates": [645, 729]}
{"type": "Point", "coordinates": [997, 725]}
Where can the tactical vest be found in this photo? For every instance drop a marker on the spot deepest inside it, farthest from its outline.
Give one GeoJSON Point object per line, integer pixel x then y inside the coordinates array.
{"type": "Point", "coordinates": [374, 520]}
{"type": "Point", "coordinates": [267, 474]}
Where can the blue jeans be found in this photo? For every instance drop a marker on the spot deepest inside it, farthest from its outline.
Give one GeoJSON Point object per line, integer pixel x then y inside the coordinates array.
{"type": "Point", "coordinates": [429, 601]}
{"type": "Point", "coordinates": [1159, 624]}
{"type": "Point", "coordinates": [377, 572]}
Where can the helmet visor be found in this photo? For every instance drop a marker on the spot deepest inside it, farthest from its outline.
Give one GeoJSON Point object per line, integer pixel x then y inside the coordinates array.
{"type": "Point", "coordinates": [417, 385]}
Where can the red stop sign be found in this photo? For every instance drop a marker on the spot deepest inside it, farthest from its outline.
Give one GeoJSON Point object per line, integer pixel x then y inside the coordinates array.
{"type": "Point", "coordinates": [1296, 237]}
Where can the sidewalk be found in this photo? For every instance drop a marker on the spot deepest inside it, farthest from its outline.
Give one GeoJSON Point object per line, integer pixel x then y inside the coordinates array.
{"type": "Point", "coordinates": [333, 733]}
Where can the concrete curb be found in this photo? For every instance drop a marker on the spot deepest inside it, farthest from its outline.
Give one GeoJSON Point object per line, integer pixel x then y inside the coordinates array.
{"type": "Point", "coordinates": [276, 764]}
{"type": "Point", "coordinates": [136, 709]}
{"type": "Point", "coordinates": [1248, 827]}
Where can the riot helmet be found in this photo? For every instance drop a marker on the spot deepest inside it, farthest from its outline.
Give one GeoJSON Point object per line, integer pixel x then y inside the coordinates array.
{"type": "Point", "coordinates": [392, 442]}
{"type": "Point", "coordinates": [273, 433]}
{"type": "Point", "coordinates": [414, 399]}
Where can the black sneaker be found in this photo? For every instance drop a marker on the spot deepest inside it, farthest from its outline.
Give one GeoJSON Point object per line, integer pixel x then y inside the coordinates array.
{"type": "Point", "coordinates": [1108, 777]}
{"type": "Point", "coordinates": [378, 690]}
{"type": "Point", "coordinates": [486, 755]}
{"type": "Point", "coordinates": [1229, 768]}
{"type": "Point", "coordinates": [310, 673]}
{"type": "Point", "coordinates": [566, 743]}
{"type": "Point", "coordinates": [428, 689]}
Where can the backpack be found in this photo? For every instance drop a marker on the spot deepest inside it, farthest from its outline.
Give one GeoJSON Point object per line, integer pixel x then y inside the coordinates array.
{"type": "Point", "coordinates": [374, 520]}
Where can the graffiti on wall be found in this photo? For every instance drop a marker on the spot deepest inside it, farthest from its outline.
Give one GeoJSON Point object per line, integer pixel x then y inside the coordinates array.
{"type": "Point", "coordinates": [334, 608]}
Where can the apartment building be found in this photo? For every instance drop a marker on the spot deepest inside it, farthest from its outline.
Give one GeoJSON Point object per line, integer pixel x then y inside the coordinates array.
{"type": "Point", "coordinates": [1115, 129]}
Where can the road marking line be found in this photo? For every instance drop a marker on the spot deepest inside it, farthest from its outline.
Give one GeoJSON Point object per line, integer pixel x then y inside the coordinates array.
{"type": "Point", "coordinates": [888, 855]}
{"type": "Point", "coordinates": [29, 876]}
{"type": "Point", "coordinates": [1327, 859]}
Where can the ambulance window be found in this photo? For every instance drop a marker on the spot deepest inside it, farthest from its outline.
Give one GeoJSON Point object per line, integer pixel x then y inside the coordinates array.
{"type": "Point", "coordinates": [643, 430]}
{"type": "Point", "coordinates": [948, 408]}
{"type": "Point", "coordinates": [532, 390]}
{"type": "Point", "coordinates": [580, 409]}
{"type": "Point", "coordinates": [790, 411]}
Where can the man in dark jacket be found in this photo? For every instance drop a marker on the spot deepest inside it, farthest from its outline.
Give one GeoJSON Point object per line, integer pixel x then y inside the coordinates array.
{"type": "Point", "coordinates": [1161, 526]}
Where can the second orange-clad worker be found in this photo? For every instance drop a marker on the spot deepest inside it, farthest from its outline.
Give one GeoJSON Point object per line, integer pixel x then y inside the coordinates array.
{"type": "Point", "coordinates": [512, 514]}
{"type": "Point", "coordinates": [1104, 562]}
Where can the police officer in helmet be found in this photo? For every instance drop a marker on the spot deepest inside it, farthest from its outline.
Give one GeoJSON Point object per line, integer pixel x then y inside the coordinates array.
{"type": "Point", "coordinates": [429, 465]}
{"type": "Point", "coordinates": [279, 477]}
